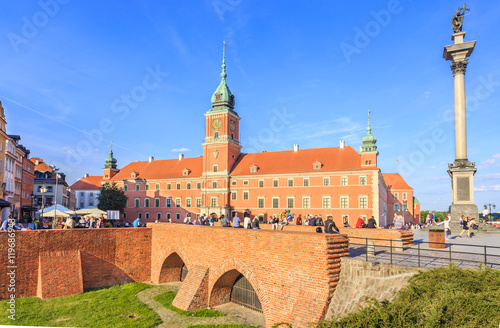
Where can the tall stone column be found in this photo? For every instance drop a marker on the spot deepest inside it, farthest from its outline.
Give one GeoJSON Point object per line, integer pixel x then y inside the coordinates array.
{"type": "Point", "coordinates": [461, 170]}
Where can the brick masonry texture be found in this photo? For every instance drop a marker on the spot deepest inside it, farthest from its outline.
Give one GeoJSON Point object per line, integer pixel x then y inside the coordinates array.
{"type": "Point", "coordinates": [45, 258]}
{"type": "Point", "coordinates": [293, 273]}
{"type": "Point", "coordinates": [361, 280]}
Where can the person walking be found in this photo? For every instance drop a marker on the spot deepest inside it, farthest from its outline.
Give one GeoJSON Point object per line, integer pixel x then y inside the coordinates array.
{"type": "Point", "coordinates": [465, 227]}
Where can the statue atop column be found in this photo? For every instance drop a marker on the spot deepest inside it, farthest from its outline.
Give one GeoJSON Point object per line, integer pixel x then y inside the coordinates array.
{"type": "Point", "coordinates": [458, 19]}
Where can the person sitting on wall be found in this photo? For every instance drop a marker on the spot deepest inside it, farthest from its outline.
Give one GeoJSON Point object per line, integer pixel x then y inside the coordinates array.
{"type": "Point", "coordinates": [399, 224]}
{"type": "Point", "coordinates": [345, 222]}
{"type": "Point", "coordinates": [255, 223]}
{"type": "Point", "coordinates": [372, 224]}
{"type": "Point", "coordinates": [298, 220]}
{"type": "Point", "coordinates": [137, 223]}
{"type": "Point", "coordinates": [360, 223]}
{"type": "Point", "coordinates": [247, 222]}
{"type": "Point", "coordinates": [319, 220]}
{"type": "Point", "coordinates": [70, 223]}
{"type": "Point", "coordinates": [330, 225]}
{"type": "Point", "coordinates": [236, 222]}
{"type": "Point", "coordinates": [226, 222]}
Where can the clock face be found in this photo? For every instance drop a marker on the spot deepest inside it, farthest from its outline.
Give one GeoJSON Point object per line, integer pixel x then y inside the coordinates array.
{"type": "Point", "coordinates": [232, 125]}
{"type": "Point", "coordinates": [216, 124]}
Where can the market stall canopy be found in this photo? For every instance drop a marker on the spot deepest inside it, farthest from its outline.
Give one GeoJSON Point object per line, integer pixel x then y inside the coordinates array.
{"type": "Point", "coordinates": [59, 208]}
{"type": "Point", "coordinates": [54, 213]}
{"type": "Point", "coordinates": [4, 203]}
{"type": "Point", "coordinates": [91, 211]}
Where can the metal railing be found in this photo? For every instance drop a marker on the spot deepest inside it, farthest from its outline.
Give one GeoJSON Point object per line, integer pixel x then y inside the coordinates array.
{"type": "Point", "coordinates": [447, 251]}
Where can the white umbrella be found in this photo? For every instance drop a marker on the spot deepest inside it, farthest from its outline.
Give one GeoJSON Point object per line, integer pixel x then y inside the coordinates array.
{"type": "Point", "coordinates": [53, 213]}
{"type": "Point", "coordinates": [91, 211]}
{"type": "Point", "coordinates": [59, 208]}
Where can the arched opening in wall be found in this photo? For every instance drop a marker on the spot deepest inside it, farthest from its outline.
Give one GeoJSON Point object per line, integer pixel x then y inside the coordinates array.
{"type": "Point", "coordinates": [173, 269]}
{"type": "Point", "coordinates": [232, 286]}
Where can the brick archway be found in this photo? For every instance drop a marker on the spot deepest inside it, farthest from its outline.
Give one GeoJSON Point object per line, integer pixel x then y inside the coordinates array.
{"type": "Point", "coordinates": [223, 279]}
{"type": "Point", "coordinates": [168, 269]}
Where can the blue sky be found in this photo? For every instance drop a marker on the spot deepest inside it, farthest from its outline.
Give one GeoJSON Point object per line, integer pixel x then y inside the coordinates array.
{"type": "Point", "coordinates": [76, 75]}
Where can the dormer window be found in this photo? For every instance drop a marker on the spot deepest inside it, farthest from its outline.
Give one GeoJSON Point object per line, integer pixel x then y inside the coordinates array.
{"type": "Point", "coordinates": [254, 168]}
{"type": "Point", "coordinates": [186, 172]}
{"type": "Point", "coordinates": [317, 165]}
{"type": "Point", "coordinates": [134, 174]}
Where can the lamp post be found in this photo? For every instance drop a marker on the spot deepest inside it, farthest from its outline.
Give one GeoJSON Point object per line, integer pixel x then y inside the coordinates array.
{"type": "Point", "coordinates": [33, 197]}
{"type": "Point", "coordinates": [490, 205]}
{"type": "Point", "coordinates": [55, 169]}
{"type": "Point", "coordinates": [43, 190]}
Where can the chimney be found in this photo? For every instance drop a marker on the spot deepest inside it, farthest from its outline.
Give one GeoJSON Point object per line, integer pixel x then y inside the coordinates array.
{"type": "Point", "coordinates": [86, 175]}
{"type": "Point", "coordinates": [151, 158]}
{"type": "Point", "coordinates": [295, 148]}
{"type": "Point", "coordinates": [342, 144]}
{"type": "Point", "coordinates": [37, 162]}
{"type": "Point", "coordinates": [181, 156]}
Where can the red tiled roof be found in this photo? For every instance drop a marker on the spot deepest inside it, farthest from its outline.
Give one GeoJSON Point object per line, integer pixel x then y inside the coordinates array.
{"type": "Point", "coordinates": [93, 182]}
{"type": "Point", "coordinates": [395, 181]}
{"type": "Point", "coordinates": [289, 161]}
{"type": "Point", "coordinates": [161, 169]}
{"type": "Point", "coordinates": [42, 166]}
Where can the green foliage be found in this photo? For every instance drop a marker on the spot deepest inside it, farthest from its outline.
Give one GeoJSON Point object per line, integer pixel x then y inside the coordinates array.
{"type": "Point", "coordinates": [112, 197]}
{"type": "Point", "coordinates": [282, 325]}
{"type": "Point", "coordinates": [221, 326]}
{"type": "Point", "coordinates": [167, 298]}
{"type": "Point", "coordinates": [115, 306]}
{"type": "Point", "coordinates": [444, 297]}
{"type": "Point", "coordinates": [440, 216]}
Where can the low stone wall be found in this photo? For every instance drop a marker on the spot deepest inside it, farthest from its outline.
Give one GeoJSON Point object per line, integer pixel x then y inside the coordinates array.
{"type": "Point", "coordinates": [361, 280]}
{"type": "Point", "coordinates": [357, 236]}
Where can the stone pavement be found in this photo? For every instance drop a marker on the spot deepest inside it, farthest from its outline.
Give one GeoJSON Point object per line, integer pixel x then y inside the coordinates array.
{"type": "Point", "coordinates": [432, 258]}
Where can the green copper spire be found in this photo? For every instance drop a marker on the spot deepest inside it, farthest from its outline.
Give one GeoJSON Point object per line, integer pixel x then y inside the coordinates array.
{"type": "Point", "coordinates": [222, 99]}
{"type": "Point", "coordinates": [369, 139]}
{"type": "Point", "coordinates": [110, 162]}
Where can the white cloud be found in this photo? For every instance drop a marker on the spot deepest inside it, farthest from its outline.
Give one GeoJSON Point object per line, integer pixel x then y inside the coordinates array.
{"type": "Point", "coordinates": [488, 188]}
{"type": "Point", "coordinates": [426, 94]}
{"type": "Point", "coordinates": [180, 150]}
{"type": "Point", "coordinates": [490, 162]}
{"type": "Point", "coordinates": [432, 167]}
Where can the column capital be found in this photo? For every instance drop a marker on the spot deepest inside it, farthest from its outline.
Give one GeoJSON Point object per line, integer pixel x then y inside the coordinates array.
{"type": "Point", "coordinates": [459, 67]}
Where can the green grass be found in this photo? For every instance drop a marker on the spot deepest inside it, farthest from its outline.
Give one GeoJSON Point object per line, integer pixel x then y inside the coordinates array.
{"type": "Point", "coordinates": [221, 326]}
{"type": "Point", "coordinates": [166, 299]}
{"type": "Point", "coordinates": [444, 297]}
{"type": "Point", "coordinates": [114, 306]}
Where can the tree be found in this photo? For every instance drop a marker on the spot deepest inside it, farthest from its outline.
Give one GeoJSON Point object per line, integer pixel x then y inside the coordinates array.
{"type": "Point", "coordinates": [112, 198]}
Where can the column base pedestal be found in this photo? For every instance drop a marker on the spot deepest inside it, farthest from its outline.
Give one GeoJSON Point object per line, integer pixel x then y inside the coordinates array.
{"type": "Point", "coordinates": [457, 210]}
{"type": "Point", "coordinates": [462, 186]}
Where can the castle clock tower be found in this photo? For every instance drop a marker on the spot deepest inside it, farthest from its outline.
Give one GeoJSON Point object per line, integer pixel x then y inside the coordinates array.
{"type": "Point", "coordinates": [221, 147]}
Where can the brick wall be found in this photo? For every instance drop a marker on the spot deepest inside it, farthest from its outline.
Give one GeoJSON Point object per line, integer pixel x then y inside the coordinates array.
{"type": "Point", "coordinates": [361, 280]}
{"type": "Point", "coordinates": [293, 273]}
{"type": "Point", "coordinates": [358, 235]}
{"type": "Point", "coordinates": [107, 257]}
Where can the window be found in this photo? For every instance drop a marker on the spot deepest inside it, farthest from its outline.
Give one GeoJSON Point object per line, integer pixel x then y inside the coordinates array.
{"type": "Point", "coordinates": [178, 202]}
{"type": "Point", "coordinates": [157, 202]}
{"type": "Point", "coordinates": [178, 186]}
{"type": "Point", "coordinates": [215, 168]}
{"type": "Point", "coordinates": [326, 182]}
{"type": "Point", "coordinates": [245, 182]}
{"type": "Point", "coordinates": [158, 215]}
{"type": "Point", "coordinates": [169, 186]}
{"type": "Point", "coordinates": [233, 183]}
{"type": "Point", "coordinates": [396, 207]}
{"type": "Point", "coordinates": [216, 134]}
{"type": "Point", "coordinates": [146, 215]}
{"type": "Point", "coordinates": [396, 195]}
{"type": "Point", "coordinates": [362, 181]}
{"type": "Point", "coordinates": [260, 202]}
{"type": "Point", "coordinates": [137, 202]}
{"type": "Point", "coordinates": [326, 201]}
{"type": "Point", "coordinates": [363, 202]}
{"type": "Point", "coordinates": [343, 181]}
{"type": "Point", "coordinates": [306, 182]}
{"type": "Point", "coordinates": [290, 182]}
{"type": "Point", "coordinates": [245, 195]}
{"type": "Point", "coordinates": [404, 196]}
{"type": "Point", "coordinates": [139, 215]}
{"type": "Point", "coordinates": [233, 195]}
{"type": "Point", "coordinates": [137, 187]}
{"type": "Point", "coordinates": [178, 216]}
{"type": "Point", "coordinates": [276, 202]}
{"type": "Point", "coordinates": [261, 183]}
{"type": "Point", "coordinates": [188, 185]}
{"type": "Point", "coordinates": [124, 215]}
{"type": "Point", "coordinates": [275, 182]}
{"type": "Point", "coordinates": [405, 207]}
{"type": "Point", "coordinates": [198, 185]}
{"type": "Point", "coordinates": [147, 186]}
{"type": "Point", "coordinates": [198, 201]}
{"type": "Point", "coordinates": [146, 202]}
{"type": "Point", "coordinates": [125, 187]}
{"type": "Point", "coordinates": [169, 202]}
{"type": "Point", "coordinates": [344, 202]}
{"type": "Point", "coordinates": [213, 202]}
{"type": "Point", "coordinates": [214, 184]}
{"type": "Point", "coordinates": [306, 202]}
{"type": "Point", "coordinates": [290, 202]}
{"type": "Point", "coordinates": [168, 215]}
{"type": "Point", "coordinates": [188, 201]}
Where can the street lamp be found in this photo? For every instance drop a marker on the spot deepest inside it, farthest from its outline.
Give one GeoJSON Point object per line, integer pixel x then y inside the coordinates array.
{"type": "Point", "coordinates": [33, 197]}
{"type": "Point", "coordinates": [490, 205]}
{"type": "Point", "coordinates": [43, 190]}
{"type": "Point", "coordinates": [55, 169]}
